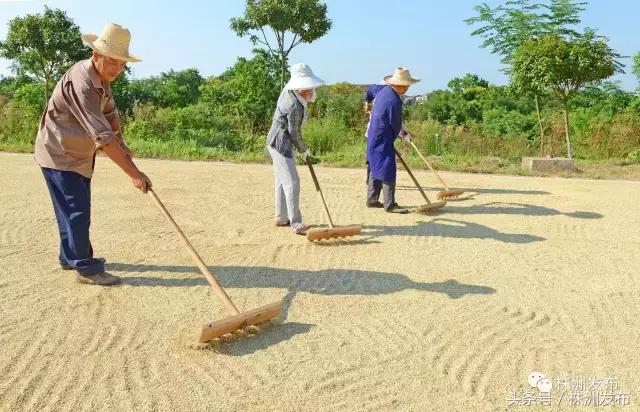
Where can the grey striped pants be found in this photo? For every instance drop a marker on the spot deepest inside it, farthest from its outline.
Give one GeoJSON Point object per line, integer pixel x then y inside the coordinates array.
{"type": "Point", "coordinates": [287, 189]}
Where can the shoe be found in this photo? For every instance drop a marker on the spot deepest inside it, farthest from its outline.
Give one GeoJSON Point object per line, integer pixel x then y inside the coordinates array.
{"type": "Point", "coordinates": [101, 279]}
{"type": "Point", "coordinates": [281, 224]}
{"type": "Point", "coordinates": [375, 204]}
{"type": "Point", "coordinates": [301, 229]}
{"type": "Point", "coordinates": [64, 266]}
{"type": "Point", "coordinates": [394, 208]}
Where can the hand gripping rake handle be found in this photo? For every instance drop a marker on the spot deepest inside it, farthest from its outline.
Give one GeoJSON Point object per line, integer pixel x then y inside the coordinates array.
{"type": "Point", "coordinates": [315, 182]}
{"type": "Point", "coordinates": [196, 258]}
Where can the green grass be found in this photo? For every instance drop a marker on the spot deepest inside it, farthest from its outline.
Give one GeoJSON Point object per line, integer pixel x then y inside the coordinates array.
{"type": "Point", "coordinates": [353, 155]}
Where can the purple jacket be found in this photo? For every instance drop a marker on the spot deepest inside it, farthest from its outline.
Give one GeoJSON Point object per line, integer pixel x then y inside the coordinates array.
{"type": "Point", "coordinates": [384, 127]}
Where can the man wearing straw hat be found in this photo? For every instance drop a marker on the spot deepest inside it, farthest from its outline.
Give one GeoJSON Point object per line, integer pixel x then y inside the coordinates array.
{"type": "Point", "coordinates": [81, 118]}
{"type": "Point", "coordinates": [385, 125]}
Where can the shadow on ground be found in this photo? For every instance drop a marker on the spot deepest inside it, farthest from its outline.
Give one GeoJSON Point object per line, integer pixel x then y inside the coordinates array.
{"type": "Point", "coordinates": [453, 229]}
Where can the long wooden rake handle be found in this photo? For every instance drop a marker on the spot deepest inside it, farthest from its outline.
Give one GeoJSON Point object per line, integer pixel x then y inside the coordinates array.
{"type": "Point", "coordinates": [317, 184]}
{"type": "Point", "coordinates": [415, 181]}
{"type": "Point", "coordinates": [196, 258]}
{"type": "Point", "coordinates": [429, 165]}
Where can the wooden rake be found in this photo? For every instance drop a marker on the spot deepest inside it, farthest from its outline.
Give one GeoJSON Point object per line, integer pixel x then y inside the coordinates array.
{"type": "Point", "coordinates": [446, 193]}
{"type": "Point", "coordinates": [332, 231]}
{"type": "Point", "coordinates": [424, 209]}
{"type": "Point", "coordinates": [237, 320]}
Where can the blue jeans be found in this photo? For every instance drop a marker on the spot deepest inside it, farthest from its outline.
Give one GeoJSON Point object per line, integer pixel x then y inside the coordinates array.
{"type": "Point", "coordinates": [71, 196]}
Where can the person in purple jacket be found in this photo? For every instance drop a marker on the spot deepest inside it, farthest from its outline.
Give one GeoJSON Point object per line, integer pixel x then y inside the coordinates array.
{"type": "Point", "coordinates": [385, 125]}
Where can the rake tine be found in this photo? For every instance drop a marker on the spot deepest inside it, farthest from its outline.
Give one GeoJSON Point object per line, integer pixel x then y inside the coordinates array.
{"type": "Point", "coordinates": [238, 320]}
{"type": "Point", "coordinates": [333, 231]}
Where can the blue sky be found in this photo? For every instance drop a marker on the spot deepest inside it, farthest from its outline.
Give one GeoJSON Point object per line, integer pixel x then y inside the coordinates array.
{"type": "Point", "coordinates": [368, 39]}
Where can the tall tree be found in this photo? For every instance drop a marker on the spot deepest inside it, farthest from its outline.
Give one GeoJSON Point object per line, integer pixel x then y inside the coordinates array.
{"type": "Point", "coordinates": [43, 45]}
{"type": "Point", "coordinates": [268, 22]}
{"type": "Point", "coordinates": [248, 90]}
{"type": "Point", "coordinates": [562, 17]}
{"type": "Point", "coordinates": [564, 66]}
{"type": "Point", "coordinates": [506, 27]}
{"type": "Point", "coordinates": [170, 89]}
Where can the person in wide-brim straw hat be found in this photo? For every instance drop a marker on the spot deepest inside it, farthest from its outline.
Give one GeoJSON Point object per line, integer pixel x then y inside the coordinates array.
{"type": "Point", "coordinates": [81, 117]}
{"type": "Point", "coordinates": [385, 125]}
{"type": "Point", "coordinates": [113, 42]}
{"type": "Point", "coordinates": [285, 136]}
{"type": "Point", "coordinates": [401, 77]}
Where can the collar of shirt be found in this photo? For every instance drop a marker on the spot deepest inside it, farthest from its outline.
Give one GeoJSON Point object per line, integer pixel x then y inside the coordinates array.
{"type": "Point", "coordinates": [93, 74]}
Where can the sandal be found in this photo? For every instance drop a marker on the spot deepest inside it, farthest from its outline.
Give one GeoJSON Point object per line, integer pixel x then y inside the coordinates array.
{"type": "Point", "coordinates": [301, 229]}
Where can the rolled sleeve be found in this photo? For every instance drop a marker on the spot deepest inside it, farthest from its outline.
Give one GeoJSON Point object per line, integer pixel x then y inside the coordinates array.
{"type": "Point", "coordinates": [88, 112]}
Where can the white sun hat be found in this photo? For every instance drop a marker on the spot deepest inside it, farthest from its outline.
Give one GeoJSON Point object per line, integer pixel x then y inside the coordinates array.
{"type": "Point", "coordinates": [113, 42]}
{"type": "Point", "coordinates": [401, 77]}
{"type": "Point", "coordinates": [302, 78]}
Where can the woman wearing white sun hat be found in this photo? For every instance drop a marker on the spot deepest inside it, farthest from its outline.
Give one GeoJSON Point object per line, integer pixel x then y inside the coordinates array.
{"type": "Point", "coordinates": [285, 136]}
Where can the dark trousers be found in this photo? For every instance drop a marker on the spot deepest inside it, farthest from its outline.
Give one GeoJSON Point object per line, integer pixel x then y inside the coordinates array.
{"type": "Point", "coordinates": [374, 189]}
{"type": "Point", "coordinates": [368, 174]}
{"type": "Point", "coordinates": [71, 197]}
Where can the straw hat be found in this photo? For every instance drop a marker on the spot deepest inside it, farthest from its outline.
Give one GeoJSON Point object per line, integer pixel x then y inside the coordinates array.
{"type": "Point", "coordinates": [302, 78]}
{"type": "Point", "coordinates": [401, 77]}
{"type": "Point", "coordinates": [113, 42]}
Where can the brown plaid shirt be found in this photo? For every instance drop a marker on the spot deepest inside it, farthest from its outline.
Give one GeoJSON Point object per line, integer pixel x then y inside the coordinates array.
{"type": "Point", "coordinates": [76, 121]}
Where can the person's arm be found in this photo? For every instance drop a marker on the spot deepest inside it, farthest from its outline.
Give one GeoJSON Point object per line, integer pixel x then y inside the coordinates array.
{"type": "Point", "coordinates": [117, 130]}
{"type": "Point", "coordinates": [116, 153]}
{"type": "Point", "coordinates": [368, 98]}
{"type": "Point", "coordinates": [113, 117]}
{"type": "Point", "coordinates": [370, 95]}
{"type": "Point", "coordinates": [372, 91]}
{"type": "Point", "coordinates": [87, 111]}
{"type": "Point", "coordinates": [294, 118]}
{"type": "Point", "coordinates": [395, 118]}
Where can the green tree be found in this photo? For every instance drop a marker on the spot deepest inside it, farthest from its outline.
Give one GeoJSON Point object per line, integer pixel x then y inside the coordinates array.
{"type": "Point", "coordinates": [341, 101]}
{"type": "Point", "coordinates": [248, 90]}
{"type": "Point", "coordinates": [29, 97]}
{"type": "Point", "coordinates": [171, 89]}
{"type": "Point", "coordinates": [506, 27]}
{"type": "Point", "coordinates": [564, 66]}
{"type": "Point", "coordinates": [9, 85]}
{"type": "Point", "coordinates": [43, 45]}
{"type": "Point", "coordinates": [304, 20]}
{"type": "Point", "coordinates": [467, 91]}
{"type": "Point", "coordinates": [607, 99]}
{"type": "Point", "coordinates": [469, 85]}
{"type": "Point", "coordinates": [562, 16]}
{"type": "Point", "coordinates": [121, 89]}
